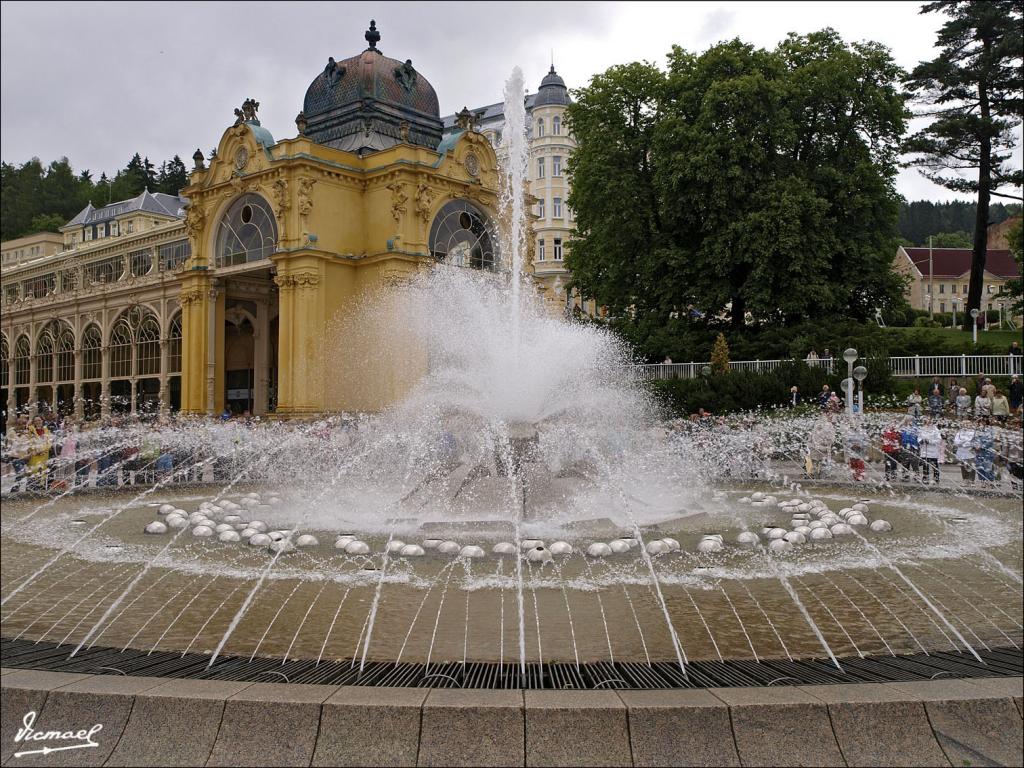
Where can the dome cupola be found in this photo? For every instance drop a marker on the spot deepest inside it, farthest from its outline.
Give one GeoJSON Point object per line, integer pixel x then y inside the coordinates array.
{"type": "Point", "coordinates": [370, 102]}
{"type": "Point", "coordinates": [552, 90]}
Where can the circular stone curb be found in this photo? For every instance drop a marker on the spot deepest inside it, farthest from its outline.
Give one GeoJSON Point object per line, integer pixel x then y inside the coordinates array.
{"type": "Point", "coordinates": [241, 723]}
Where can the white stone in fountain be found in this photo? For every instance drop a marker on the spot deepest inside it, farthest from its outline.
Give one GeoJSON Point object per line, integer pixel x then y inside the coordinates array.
{"type": "Point", "coordinates": [232, 519]}
{"type": "Point", "coordinates": [248, 502]}
{"type": "Point", "coordinates": [275, 535]}
{"type": "Point", "coordinates": [672, 544]}
{"type": "Point", "coordinates": [248, 532]}
{"type": "Point", "coordinates": [779, 545]}
{"type": "Point", "coordinates": [561, 548]}
{"type": "Point", "coordinates": [816, 524]}
{"type": "Point", "coordinates": [156, 527]}
{"type": "Point", "coordinates": [539, 555]}
{"type": "Point", "coordinates": [758, 496]}
{"type": "Point", "coordinates": [259, 539]}
{"type": "Point", "coordinates": [707, 545]}
{"type": "Point", "coordinates": [881, 526]}
{"type": "Point", "coordinates": [599, 549]}
{"type": "Point", "coordinates": [857, 519]}
{"type": "Point", "coordinates": [657, 547]}
{"type": "Point", "coordinates": [449, 547]}
{"type": "Point", "coordinates": [196, 517]}
{"type": "Point", "coordinates": [358, 548]}
{"type": "Point", "coordinates": [795, 537]}
{"type": "Point", "coordinates": [229, 536]}
{"type": "Point", "coordinates": [432, 543]}
{"type": "Point", "coordinates": [504, 548]}
{"type": "Point", "coordinates": [306, 540]}
{"type": "Point", "coordinates": [776, 533]}
{"type": "Point", "coordinates": [395, 545]}
{"type": "Point", "coordinates": [412, 550]}
{"type": "Point", "coordinates": [166, 509]}
{"type": "Point", "coordinates": [748, 538]}
{"type": "Point", "coordinates": [745, 500]}
{"type": "Point", "coordinates": [202, 531]}
{"type": "Point", "coordinates": [221, 527]}
{"type": "Point", "coordinates": [176, 521]}
{"type": "Point", "coordinates": [281, 546]}
{"type": "Point", "coordinates": [471, 551]}
{"type": "Point", "coordinates": [619, 546]}
{"type": "Point", "coordinates": [343, 541]}
{"type": "Point", "coordinates": [861, 507]}
{"type": "Point", "coordinates": [841, 529]}
{"type": "Point", "coordinates": [259, 525]}
{"type": "Point", "coordinates": [806, 508]}
{"type": "Point", "coordinates": [819, 534]}
{"type": "Point", "coordinates": [531, 543]}
{"type": "Point", "coordinates": [274, 501]}
{"type": "Point", "coordinates": [804, 529]}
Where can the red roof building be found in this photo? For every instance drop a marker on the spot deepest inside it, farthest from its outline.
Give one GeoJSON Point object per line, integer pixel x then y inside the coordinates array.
{"type": "Point", "coordinates": [947, 288]}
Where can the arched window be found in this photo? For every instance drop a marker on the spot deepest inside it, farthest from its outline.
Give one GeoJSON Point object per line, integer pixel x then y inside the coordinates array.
{"type": "Point", "coordinates": [147, 348]}
{"type": "Point", "coordinates": [65, 349]}
{"type": "Point", "coordinates": [121, 350]}
{"type": "Point", "coordinates": [174, 345]}
{"type": "Point", "coordinates": [462, 236]}
{"type": "Point", "coordinates": [22, 364]}
{"type": "Point", "coordinates": [556, 126]}
{"type": "Point", "coordinates": [92, 353]}
{"type": "Point", "coordinates": [540, 126]}
{"type": "Point", "coordinates": [44, 357]}
{"type": "Point", "coordinates": [5, 364]}
{"type": "Point", "coordinates": [247, 232]}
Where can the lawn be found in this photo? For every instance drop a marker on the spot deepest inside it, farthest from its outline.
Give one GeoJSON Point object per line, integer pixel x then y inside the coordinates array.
{"type": "Point", "coordinates": [954, 341]}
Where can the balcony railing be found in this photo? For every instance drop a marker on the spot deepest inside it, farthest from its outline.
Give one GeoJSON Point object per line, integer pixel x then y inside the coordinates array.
{"type": "Point", "coordinates": [906, 367]}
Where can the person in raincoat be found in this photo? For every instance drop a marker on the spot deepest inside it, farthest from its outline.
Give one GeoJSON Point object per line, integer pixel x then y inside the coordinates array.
{"type": "Point", "coordinates": [930, 442]}
{"type": "Point", "coordinates": [963, 444]}
{"type": "Point", "coordinates": [819, 447]}
{"type": "Point", "coordinates": [39, 443]}
{"type": "Point", "coordinates": [984, 451]}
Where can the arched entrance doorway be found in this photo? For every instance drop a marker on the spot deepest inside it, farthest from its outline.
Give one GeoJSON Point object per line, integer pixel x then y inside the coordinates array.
{"type": "Point", "coordinates": [239, 362]}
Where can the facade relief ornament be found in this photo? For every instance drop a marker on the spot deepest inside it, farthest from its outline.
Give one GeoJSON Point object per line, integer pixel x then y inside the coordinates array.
{"type": "Point", "coordinates": [398, 200]}
{"type": "Point", "coordinates": [189, 297]}
{"type": "Point", "coordinates": [284, 282]}
{"type": "Point", "coordinates": [424, 201]}
{"type": "Point", "coordinates": [305, 195]}
{"type": "Point", "coordinates": [279, 192]}
{"type": "Point", "coordinates": [307, 280]}
{"type": "Point", "coordinates": [194, 221]}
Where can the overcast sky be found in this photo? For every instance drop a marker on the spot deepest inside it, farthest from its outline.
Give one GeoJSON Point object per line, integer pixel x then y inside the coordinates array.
{"type": "Point", "coordinates": [99, 81]}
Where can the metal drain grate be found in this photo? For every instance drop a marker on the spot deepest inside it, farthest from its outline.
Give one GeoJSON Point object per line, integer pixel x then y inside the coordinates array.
{"type": "Point", "coordinates": [998, 662]}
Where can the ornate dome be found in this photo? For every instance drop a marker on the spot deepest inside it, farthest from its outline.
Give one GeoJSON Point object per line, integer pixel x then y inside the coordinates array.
{"type": "Point", "coordinates": [552, 90]}
{"type": "Point", "coordinates": [370, 102]}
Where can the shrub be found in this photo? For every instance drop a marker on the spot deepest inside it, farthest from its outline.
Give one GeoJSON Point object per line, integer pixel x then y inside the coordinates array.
{"type": "Point", "coordinates": [720, 355]}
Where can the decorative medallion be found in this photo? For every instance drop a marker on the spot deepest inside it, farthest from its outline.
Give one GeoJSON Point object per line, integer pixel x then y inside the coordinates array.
{"type": "Point", "coordinates": [241, 158]}
{"type": "Point", "coordinates": [472, 164]}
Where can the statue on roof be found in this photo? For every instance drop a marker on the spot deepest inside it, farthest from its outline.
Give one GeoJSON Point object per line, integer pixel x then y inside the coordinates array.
{"type": "Point", "coordinates": [468, 121]}
{"type": "Point", "coordinates": [333, 71]}
{"type": "Point", "coordinates": [247, 114]}
{"type": "Point", "coordinates": [406, 75]}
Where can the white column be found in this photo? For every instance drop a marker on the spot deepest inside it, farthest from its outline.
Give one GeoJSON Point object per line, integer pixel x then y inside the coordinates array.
{"type": "Point", "coordinates": [79, 398]}
{"type": "Point", "coordinates": [105, 380]}
{"type": "Point", "coordinates": [164, 364]}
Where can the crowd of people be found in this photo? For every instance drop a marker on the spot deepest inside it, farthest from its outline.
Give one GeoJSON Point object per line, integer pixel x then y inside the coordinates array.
{"type": "Point", "coordinates": [52, 453]}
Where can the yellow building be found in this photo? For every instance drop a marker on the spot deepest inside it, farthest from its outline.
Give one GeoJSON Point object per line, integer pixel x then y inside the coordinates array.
{"type": "Point", "coordinates": [288, 236]}
{"type": "Point", "coordinates": [938, 278]}
{"type": "Point", "coordinates": [281, 240]}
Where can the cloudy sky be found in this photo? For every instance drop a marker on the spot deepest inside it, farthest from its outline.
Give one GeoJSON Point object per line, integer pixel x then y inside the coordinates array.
{"type": "Point", "coordinates": [99, 81]}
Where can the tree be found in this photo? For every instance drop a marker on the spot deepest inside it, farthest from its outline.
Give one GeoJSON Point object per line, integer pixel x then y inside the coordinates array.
{"type": "Point", "coordinates": [952, 240]}
{"type": "Point", "coordinates": [173, 177]}
{"type": "Point", "coordinates": [45, 222]}
{"type": "Point", "coordinates": [976, 92]}
{"type": "Point", "coordinates": [1014, 289]}
{"type": "Point", "coordinates": [720, 355]}
{"type": "Point", "coordinates": [748, 183]}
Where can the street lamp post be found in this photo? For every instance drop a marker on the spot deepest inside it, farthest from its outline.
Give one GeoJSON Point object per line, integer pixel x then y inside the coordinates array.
{"type": "Point", "coordinates": [974, 323]}
{"type": "Point", "coordinates": [953, 303]}
{"type": "Point", "coordinates": [850, 356]}
{"type": "Point", "coordinates": [860, 373]}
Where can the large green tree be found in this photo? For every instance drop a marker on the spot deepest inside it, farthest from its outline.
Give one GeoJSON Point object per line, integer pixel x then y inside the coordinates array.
{"type": "Point", "coordinates": [742, 181]}
{"type": "Point", "coordinates": [975, 92]}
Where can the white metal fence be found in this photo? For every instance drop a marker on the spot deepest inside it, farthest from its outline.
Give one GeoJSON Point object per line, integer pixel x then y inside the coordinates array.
{"type": "Point", "coordinates": [914, 366]}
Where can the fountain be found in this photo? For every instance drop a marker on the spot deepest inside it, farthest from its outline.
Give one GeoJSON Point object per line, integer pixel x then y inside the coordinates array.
{"type": "Point", "coordinates": [526, 503]}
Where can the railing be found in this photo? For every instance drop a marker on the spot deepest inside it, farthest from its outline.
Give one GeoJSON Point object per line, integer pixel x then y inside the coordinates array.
{"type": "Point", "coordinates": [907, 367]}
